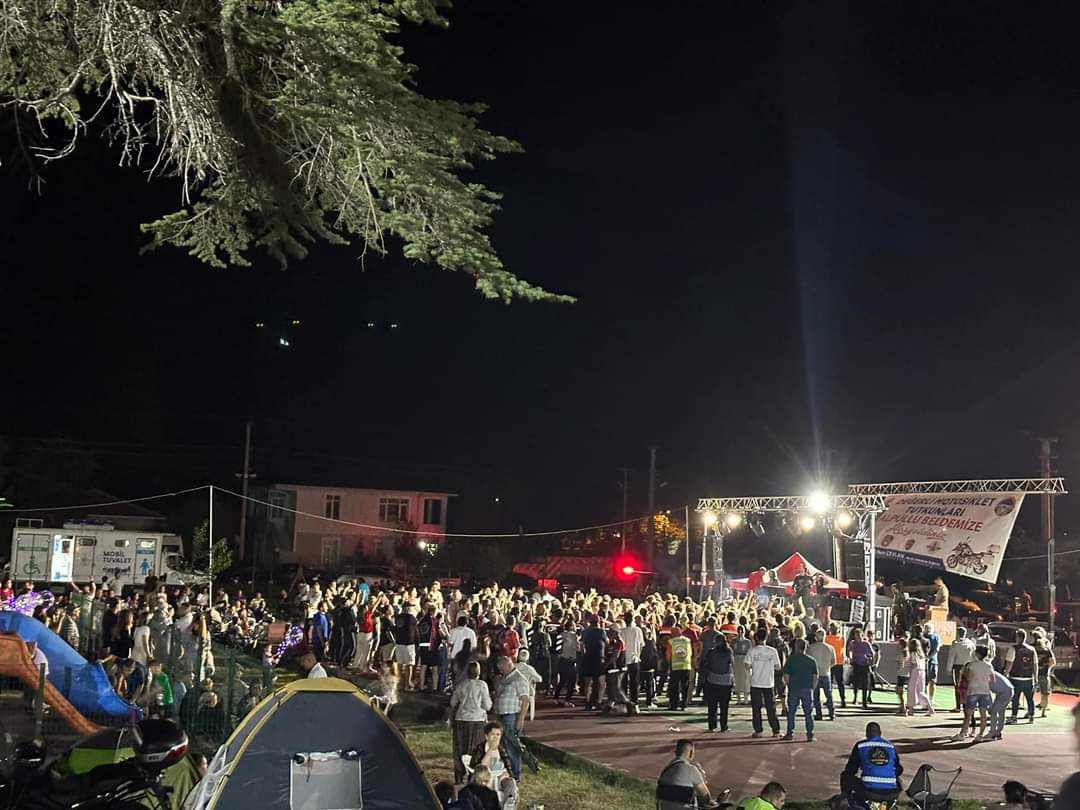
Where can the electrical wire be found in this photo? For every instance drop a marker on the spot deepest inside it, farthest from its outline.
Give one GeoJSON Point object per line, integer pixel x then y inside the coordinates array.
{"type": "Point", "coordinates": [1043, 556]}
{"type": "Point", "coordinates": [383, 529]}
{"type": "Point", "coordinates": [8, 510]}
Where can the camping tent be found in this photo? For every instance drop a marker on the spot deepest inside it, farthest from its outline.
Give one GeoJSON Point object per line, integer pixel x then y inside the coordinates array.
{"type": "Point", "coordinates": [314, 743]}
{"type": "Point", "coordinates": [790, 568]}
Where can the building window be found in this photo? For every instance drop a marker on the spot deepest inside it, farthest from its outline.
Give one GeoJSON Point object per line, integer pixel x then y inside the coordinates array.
{"type": "Point", "coordinates": [333, 507]}
{"type": "Point", "coordinates": [433, 511]}
{"type": "Point", "coordinates": [393, 510]}
{"type": "Point", "coordinates": [278, 502]}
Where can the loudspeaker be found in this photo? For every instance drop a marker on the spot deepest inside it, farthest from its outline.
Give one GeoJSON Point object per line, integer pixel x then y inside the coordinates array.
{"type": "Point", "coordinates": [855, 565]}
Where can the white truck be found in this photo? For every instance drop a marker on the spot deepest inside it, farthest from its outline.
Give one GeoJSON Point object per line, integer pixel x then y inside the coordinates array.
{"type": "Point", "coordinates": [83, 553]}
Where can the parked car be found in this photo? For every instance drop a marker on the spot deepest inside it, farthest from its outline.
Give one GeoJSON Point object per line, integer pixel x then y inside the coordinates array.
{"type": "Point", "coordinates": [1004, 636]}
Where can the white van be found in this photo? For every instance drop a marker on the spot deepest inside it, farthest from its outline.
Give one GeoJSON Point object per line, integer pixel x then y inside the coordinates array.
{"type": "Point", "coordinates": [83, 553]}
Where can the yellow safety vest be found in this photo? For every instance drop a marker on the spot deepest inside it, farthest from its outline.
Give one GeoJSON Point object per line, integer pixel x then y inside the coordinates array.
{"type": "Point", "coordinates": [680, 652]}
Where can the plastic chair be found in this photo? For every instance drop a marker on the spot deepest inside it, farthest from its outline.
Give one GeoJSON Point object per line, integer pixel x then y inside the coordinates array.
{"type": "Point", "coordinates": [921, 790]}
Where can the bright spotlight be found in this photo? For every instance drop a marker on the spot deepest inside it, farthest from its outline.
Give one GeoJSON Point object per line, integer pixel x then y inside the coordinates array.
{"type": "Point", "coordinates": [819, 502]}
{"type": "Point", "coordinates": [732, 519]}
{"type": "Point", "coordinates": [421, 544]}
{"type": "Point", "coordinates": [709, 518]}
{"type": "Point", "coordinates": [844, 519]}
{"type": "Point", "coordinates": [807, 523]}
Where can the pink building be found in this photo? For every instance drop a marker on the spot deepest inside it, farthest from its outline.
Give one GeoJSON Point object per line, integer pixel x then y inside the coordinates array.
{"type": "Point", "coordinates": [319, 540]}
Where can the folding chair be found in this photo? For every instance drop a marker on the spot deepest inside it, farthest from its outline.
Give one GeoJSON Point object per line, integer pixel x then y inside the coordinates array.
{"type": "Point", "coordinates": [676, 794]}
{"type": "Point", "coordinates": [921, 790]}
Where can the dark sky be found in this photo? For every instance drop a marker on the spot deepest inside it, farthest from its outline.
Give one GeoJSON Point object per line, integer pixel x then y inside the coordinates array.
{"type": "Point", "coordinates": [821, 240]}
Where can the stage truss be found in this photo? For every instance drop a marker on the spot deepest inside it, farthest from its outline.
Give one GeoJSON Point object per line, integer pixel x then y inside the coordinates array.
{"type": "Point", "coordinates": [867, 501]}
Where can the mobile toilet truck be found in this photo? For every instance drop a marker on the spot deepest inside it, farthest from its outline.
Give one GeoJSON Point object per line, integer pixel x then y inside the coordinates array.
{"type": "Point", "coordinates": [83, 553]}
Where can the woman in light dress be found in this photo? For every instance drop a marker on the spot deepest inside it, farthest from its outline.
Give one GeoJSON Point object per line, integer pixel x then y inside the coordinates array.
{"type": "Point", "coordinates": [915, 666]}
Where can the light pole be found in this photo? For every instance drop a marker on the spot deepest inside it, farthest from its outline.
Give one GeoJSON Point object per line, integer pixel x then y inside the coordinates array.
{"type": "Point", "coordinates": [709, 519]}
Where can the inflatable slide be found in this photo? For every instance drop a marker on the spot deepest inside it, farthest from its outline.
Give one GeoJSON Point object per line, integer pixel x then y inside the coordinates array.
{"type": "Point", "coordinates": [15, 662]}
{"type": "Point", "coordinates": [83, 684]}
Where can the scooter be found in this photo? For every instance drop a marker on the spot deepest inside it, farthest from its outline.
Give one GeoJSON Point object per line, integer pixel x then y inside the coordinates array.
{"type": "Point", "coordinates": [32, 785]}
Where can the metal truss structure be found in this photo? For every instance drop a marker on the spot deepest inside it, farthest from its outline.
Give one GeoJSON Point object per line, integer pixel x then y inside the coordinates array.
{"type": "Point", "coordinates": [858, 503]}
{"type": "Point", "coordinates": [1042, 486]}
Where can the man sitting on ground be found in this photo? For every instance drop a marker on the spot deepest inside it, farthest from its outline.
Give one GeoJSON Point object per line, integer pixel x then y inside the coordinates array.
{"type": "Point", "coordinates": [873, 769]}
{"type": "Point", "coordinates": [681, 785]}
{"type": "Point", "coordinates": [772, 797]}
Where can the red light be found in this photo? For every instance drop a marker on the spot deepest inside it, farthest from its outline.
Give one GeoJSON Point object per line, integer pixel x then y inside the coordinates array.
{"type": "Point", "coordinates": [625, 566]}
{"type": "Point", "coordinates": [628, 570]}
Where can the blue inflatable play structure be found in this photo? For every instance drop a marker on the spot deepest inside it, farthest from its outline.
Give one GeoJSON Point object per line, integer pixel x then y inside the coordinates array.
{"type": "Point", "coordinates": [85, 685]}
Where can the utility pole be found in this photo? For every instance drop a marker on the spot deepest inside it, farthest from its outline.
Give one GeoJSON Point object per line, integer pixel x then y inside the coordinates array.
{"type": "Point", "coordinates": [1045, 458]}
{"type": "Point", "coordinates": [652, 505]}
{"type": "Point", "coordinates": [244, 476]}
{"type": "Point", "coordinates": [625, 502]}
{"type": "Point", "coordinates": [687, 549]}
{"type": "Point", "coordinates": [210, 551]}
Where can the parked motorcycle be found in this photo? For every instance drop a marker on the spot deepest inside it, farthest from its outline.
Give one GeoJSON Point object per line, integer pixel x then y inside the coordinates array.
{"type": "Point", "coordinates": [32, 785]}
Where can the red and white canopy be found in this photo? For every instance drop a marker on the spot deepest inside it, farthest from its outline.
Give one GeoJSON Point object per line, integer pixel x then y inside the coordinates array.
{"type": "Point", "coordinates": [790, 568]}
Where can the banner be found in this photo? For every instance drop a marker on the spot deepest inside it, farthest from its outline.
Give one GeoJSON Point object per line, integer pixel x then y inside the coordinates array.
{"type": "Point", "coordinates": [961, 533]}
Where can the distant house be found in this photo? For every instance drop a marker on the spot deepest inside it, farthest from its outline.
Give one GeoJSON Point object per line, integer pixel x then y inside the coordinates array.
{"type": "Point", "coordinates": [316, 526]}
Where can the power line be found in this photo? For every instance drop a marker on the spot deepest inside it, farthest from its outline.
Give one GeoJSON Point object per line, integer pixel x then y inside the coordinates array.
{"type": "Point", "coordinates": [1042, 556]}
{"type": "Point", "coordinates": [383, 529]}
{"type": "Point", "coordinates": [106, 503]}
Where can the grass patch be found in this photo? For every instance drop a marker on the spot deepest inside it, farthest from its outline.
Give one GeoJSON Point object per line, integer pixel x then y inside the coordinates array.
{"type": "Point", "coordinates": [567, 786]}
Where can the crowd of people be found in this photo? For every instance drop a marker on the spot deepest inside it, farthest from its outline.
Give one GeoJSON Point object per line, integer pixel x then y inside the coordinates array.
{"type": "Point", "coordinates": [497, 650]}
{"type": "Point", "coordinates": [155, 645]}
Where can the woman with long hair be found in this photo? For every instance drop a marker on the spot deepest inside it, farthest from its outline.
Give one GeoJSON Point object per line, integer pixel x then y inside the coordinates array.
{"type": "Point", "coordinates": [915, 666]}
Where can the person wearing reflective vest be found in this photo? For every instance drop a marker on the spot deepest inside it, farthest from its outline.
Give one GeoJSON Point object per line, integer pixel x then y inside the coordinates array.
{"type": "Point", "coordinates": [680, 657]}
{"type": "Point", "coordinates": [873, 769]}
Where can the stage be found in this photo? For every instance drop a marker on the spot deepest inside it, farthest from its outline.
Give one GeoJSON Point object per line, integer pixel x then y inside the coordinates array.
{"type": "Point", "coordinates": [1039, 754]}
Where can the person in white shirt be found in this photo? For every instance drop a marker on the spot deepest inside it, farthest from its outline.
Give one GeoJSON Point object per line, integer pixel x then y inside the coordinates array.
{"type": "Point", "coordinates": [634, 640]}
{"type": "Point", "coordinates": [460, 634]}
{"type": "Point", "coordinates": [764, 663]}
{"type": "Point", "coordinates": [314, 668]}
{"type": "Point", "coordinates": [961, 653]}
{"type": "Point", "coordinates": [978, 676]}
{"type": "Point", "coordinates": [469, 705]}
{"type": "Point", "coordinates": [825, 658]}
{"type": "Point", "coordinates": [140, 649]}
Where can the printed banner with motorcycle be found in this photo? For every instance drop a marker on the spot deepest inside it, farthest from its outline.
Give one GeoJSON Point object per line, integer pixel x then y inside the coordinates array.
{"type": "Point", "coordinates": [962, 533]}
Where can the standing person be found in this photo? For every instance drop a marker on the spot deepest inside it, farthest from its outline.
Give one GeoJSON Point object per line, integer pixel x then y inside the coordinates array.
{"type": "Point", "coordinates": [650, 660]}
{"type": "Point", "coordinates": [777, 642]}
{"type": "Point", "coordinates": [800, 675]}
{"type": "Point", "coordinates": [836, 641]}
{"type": "Point", "coordinates": [407, 635]}
{"type": "Point", "coordinates": [739, 649]}
{"type": "Point", "coordinates": [511, 706]}
{"type": "Point", "coordinates": [593, 648]}
{"type": "Point", "coordinates": [69, 626]}
{"type": "Point", "coordinates": [978, 676]}
{"type": "Point", "coordinates": [680, 662]}
{"type": "Point", "coordinates": [1044, 651]}
{"type": "Point", "coordinates": [934, 640]}
{"type": "Point", "coordinates": [614, 669]}
{"type": "Point", "coordinates": [634, 641]}
{"type": "Point", "coordinates": [387, 638]}
{"type": "Point", "coordinates": [1001, 690]}
{"type": "Point", "coordinates": [705, 642]}
{"type": "Point", "coordinates": [469, 705]}
{"type": "Point", "coordinates": [568, 652]}
{"type": "Point", "coordinates": [1022, 667]}
{"type": "Point", "coordinates": [764, 662]}
{"type": "Point", "coordinates": [716, 673]}
{"type": "Point", "coordinates": [140, 638]}
{"type": "Point", "coordinates": [862, 655]}
{"type": "Point", "coordinates": [825, 658]}
{"type": "Point", "coordinates": [915, 666]}
{"type": "Point", "coordinates": [961, 653]}
{"type": "Point", "coordinates": [365, 638]}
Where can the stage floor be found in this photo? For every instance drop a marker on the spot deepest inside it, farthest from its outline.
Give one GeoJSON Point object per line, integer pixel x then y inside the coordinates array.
{"type": "Point", "coordinates": [1040, 754]}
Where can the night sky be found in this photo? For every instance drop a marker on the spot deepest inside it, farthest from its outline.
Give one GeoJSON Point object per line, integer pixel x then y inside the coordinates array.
{"type": "Point", "coordinates": [817, 241]}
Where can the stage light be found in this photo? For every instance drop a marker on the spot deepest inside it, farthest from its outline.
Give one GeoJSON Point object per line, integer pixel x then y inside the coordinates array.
{"type": "Point", "coordinates": [709, 518]}
{"type": "Point", "coordinates": [819, 502]}
{"type": "Point", "coordinates": [807, 523]}
{"type": "Point", "coordinates": [844, 519]}
{"type": "Point", "coordinates": [732, 520]}
{"type": "Point", "coordinates": [756, 525]}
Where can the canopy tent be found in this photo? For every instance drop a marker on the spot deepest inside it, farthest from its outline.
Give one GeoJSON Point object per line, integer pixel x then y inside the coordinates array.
{"type": "Point", "coordinates": [790, 568]}
{"type": "Point", "coordinates": [316, 742]}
